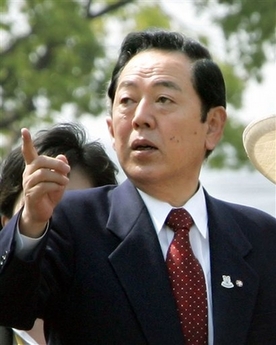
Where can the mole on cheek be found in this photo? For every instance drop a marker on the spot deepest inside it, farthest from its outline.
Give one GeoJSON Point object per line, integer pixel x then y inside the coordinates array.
{"type": "Point", "coordinates": [174, 139]}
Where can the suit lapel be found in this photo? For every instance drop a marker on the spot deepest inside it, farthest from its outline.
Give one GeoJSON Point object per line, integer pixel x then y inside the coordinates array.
{"type": "Point", "coordinates": [234, 295]}
{"type": "Point", "coordinates": [140, 267]}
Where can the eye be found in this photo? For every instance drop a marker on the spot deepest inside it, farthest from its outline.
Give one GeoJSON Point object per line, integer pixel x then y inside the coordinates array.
{"type": "Point", "coordinates": [126, 101]}
{"type": "Point", "coordinates": [164, 100]}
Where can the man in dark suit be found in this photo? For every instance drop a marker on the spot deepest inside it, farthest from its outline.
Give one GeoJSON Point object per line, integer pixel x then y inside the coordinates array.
{"type": "Point", "coordinates": [94, 269]}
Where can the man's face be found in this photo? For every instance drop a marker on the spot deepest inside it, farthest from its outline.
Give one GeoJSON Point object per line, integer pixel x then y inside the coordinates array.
{"type": "Point", "coordinates": [156, 127]}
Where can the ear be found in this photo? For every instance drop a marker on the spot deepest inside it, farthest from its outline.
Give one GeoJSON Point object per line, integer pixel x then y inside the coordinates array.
{"type": "Point", "coordinates": [111, 130]}
{"type": "Point", "coordinates": [216, 119]}
{"type": "Point", "coordinates": [4, 220]}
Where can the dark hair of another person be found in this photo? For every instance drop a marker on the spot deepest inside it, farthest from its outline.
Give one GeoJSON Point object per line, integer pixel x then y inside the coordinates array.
{"type": "Point", "coordinates": [207, 78]}
{"type": "Point", "coordinates": [68, 139]}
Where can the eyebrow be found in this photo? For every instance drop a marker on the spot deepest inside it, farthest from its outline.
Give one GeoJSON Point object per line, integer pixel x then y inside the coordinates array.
{"type": "Point", "coordinates": [166, 83]}
{"type": "Point", "coordinates": [126, 83]}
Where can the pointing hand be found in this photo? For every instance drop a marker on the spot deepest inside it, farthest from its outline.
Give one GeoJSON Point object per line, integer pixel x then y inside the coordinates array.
{"type": "Point", "coordinates": [44, 181]}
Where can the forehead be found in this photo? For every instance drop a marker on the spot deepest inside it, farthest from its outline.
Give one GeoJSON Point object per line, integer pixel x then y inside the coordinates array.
{"type": "Point", "coordinates": [152, 63]}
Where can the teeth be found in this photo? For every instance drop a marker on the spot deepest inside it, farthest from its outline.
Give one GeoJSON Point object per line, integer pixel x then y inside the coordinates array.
{"type": "Point", "coordinates": [144, 148]}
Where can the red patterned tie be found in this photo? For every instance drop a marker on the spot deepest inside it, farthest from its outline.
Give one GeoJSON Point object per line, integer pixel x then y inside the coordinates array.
{"type": "Point", "coordinates": [187, 280]}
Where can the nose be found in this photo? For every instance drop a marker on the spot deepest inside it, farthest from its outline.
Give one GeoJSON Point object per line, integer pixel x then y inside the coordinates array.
{"type": "Point", "coordinates": [144, 115]}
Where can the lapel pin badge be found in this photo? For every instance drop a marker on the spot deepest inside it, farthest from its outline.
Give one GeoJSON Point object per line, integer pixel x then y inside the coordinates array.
{"type": "Point", "coordinates": [226, 282]}
{"type": "Point", "coordinates": [239, 283]}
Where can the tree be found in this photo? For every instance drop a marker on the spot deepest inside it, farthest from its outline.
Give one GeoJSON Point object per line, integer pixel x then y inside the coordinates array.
{"type": "Point", "coordinates": [54, 55]}
{"type": "Point", "coordinates": [50, 61]}
{"type": "Point", "coordinates": [249, 30]}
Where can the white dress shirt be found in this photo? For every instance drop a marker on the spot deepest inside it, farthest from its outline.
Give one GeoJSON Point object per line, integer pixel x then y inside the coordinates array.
{"type": "Point", "coordinates": [22, 338]}
{"type": "Point", "coordinates": [199, 236]}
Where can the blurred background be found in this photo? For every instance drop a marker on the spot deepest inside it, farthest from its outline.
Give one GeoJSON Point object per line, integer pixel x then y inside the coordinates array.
{"type": "Point", "coordinates": [56, 58]}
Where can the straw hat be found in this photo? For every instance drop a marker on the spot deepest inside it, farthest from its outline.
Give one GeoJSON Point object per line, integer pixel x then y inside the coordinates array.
{"type": "Point", "coordinates": [259, 140]}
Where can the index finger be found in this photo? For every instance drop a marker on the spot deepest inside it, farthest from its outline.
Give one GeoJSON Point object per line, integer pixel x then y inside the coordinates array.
{"type": "Point", "coordinates": [28, 149]}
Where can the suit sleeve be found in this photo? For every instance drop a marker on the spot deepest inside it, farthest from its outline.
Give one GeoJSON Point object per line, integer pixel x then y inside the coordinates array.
{"type": "Point", "coordinates": [30, 287]}
{"type": "Point", "coordinates": [18, 281]}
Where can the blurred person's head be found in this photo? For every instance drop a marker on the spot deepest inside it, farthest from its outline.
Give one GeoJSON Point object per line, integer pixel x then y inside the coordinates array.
{"type": "Point", "coordinates": [90, 164]}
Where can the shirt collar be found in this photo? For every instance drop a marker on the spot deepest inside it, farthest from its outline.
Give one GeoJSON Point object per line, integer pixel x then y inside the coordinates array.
{"type": "Point", "coordinates": [196, 206]}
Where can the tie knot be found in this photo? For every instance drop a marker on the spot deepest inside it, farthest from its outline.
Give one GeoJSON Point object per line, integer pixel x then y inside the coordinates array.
{"type": "Point", "coordinates": [178, 219]}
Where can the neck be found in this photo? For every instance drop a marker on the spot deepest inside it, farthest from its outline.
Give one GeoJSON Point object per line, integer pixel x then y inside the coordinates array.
{"type": "Point", "coordinates": [173, 194]}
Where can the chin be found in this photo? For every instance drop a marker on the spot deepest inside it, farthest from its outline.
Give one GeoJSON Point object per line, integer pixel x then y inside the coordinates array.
{"type": "Point", "coordinates": [144, 175]}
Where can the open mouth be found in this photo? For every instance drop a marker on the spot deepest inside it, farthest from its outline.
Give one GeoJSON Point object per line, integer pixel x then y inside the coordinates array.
{"type": "Point", "coordinates": [144, 148]}
{"type": "Point", "coordinates": [143, 145]}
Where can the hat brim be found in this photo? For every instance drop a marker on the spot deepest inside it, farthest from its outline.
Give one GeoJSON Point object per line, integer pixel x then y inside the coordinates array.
{"type": "Point", "coordinates": [259, 140]}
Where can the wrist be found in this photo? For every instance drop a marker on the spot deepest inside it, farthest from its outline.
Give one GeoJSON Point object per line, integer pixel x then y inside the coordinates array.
{"type": "Point", "coordinates": [30, 228]}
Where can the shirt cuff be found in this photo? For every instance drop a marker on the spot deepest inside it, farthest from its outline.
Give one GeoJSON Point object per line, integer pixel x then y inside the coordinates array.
{"type": "Point", "coordinates": [24, 244]}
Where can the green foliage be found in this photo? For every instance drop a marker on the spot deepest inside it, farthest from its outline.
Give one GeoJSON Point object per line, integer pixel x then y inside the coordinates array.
{"type": "Point", "coordinates": [60, 58]}
{"type": "Point", "coordinates": [249, 30]}
{"type": "Point", "coordinates": [230, 151]}
{"type": "Point", "coordinates": [235, 86]}
{"type": "Point", "coordinates": [53, 62]}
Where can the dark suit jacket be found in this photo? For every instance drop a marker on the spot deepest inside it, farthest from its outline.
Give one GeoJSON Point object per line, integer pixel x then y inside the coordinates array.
{"type": "Point", "coordinates": [99, 276]}
{"type": "Point", "coordinates": [6, 336]}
